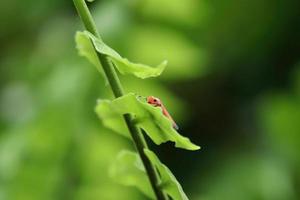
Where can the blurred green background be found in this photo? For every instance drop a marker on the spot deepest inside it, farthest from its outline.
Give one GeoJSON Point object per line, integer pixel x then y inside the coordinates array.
{"type": "Point", "coordinates": [232, 85]}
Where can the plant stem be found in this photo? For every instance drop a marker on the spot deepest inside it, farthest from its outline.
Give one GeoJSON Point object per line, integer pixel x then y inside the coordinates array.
{"type": "Point", "coordinates": [118, 91]}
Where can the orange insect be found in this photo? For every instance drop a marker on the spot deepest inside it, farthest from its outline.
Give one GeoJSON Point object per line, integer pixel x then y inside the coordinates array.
{"type": "Point", "coordinates": [156, 102]}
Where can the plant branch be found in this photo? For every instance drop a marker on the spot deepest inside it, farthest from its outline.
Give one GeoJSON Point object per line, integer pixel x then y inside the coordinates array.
{"type": "Point", "coordinates": [118, 91]}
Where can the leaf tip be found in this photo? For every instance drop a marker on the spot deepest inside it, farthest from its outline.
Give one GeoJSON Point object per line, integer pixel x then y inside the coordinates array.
{"type": "Point", "coordinates": [195, 148]}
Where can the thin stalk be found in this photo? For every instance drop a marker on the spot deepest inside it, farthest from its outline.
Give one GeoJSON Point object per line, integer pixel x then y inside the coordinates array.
{"type": "Point", "coordinates": [118, 91]}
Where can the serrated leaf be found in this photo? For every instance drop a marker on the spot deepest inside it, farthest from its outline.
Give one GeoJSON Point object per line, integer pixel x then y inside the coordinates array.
{"type": "Point", "coordinates": [158, 127]}
{"type": "Point", "coordinates": [123, 65]}
{"type": "Point", "coordinates": [169, 184]}
{"type": "Point", "coordinates": [128, 170]}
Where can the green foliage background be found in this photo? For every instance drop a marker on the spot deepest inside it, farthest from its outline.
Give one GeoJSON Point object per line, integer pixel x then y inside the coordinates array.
{"type": "Point", "coordinates": [232, 84]}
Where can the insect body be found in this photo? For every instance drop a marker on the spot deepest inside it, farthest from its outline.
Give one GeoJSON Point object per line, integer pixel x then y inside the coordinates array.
{"type": "Point", "coordinates": [157, 103]}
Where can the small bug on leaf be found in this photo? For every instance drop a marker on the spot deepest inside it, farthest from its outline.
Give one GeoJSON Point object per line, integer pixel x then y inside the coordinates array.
{"type": "Point", "coordinates": [156, 102]}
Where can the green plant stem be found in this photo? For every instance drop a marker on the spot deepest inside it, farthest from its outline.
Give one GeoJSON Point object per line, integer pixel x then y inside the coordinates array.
{"type": "Point", "coordinates": [118, 91]}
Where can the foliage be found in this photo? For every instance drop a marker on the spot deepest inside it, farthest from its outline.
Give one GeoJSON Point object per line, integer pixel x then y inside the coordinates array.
{"type": "Point", "coordinates": [86, 43]}
{"type": "Point", "coordinates": [231, 84]}
{"type": "Point", "coordinates": [168, 181]}
{"type": "Point", "coordinates": [128, 170]}
{"type": "Point", "coordinates": [149, 118]}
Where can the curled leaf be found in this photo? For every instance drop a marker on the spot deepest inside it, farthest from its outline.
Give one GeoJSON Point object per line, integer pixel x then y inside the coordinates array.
{"type": "Point", "coordinates": [123, 65]}
{"type": "Point", "coordinates": [111, 118]}
{"type": "Point", "coordinates": [128, 170]}
{"type": "Point", "coordinates": [157, 126]}
{"type": "Point", "coordinates": [169, 184]}
{"type": "Point", "coordinates": [86, 49]}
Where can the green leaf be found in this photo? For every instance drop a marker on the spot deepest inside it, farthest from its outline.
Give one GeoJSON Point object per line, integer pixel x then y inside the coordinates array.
{"type": "Point", "coordinates": [158, 127]}
{"type": "Point", "coordinates": [86, 49]}
{"type": "Point", "coordinates": [169, 184]}
{"type": "Point", "coordinates": [123, 65]}
{"type": "Point", "coordinates": [128, 170]}
{"type": "Point", "coordinates": [111, 118]}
